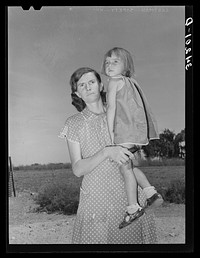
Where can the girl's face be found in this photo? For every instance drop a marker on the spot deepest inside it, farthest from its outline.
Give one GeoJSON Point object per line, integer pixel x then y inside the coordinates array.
{"type": "Point", "coordinates": [114, 66]}
{"type": "Point", "coordinates": [88, 88]}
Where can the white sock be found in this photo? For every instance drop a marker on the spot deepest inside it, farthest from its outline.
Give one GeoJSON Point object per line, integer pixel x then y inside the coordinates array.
{"type": "Point", "coordinates": [133, 208]}
{"type": "Point", "coordinates": [149, 191]}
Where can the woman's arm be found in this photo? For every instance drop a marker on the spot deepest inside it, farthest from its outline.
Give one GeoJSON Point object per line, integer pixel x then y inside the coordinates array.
{"type": "Point", "coordinates": [82, 166]}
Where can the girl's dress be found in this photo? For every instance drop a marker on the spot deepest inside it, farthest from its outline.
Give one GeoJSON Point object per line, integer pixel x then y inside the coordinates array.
{"type": "Point", "coordinates": [134, 121]}
{"type": "Point", "coordinates": [102, 194]}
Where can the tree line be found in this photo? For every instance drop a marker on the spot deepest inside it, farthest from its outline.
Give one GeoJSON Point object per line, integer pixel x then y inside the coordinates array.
{"type": "Point", "coordinates": [49, 166]}
{"type": "Point", "coordinates": [169, 145]}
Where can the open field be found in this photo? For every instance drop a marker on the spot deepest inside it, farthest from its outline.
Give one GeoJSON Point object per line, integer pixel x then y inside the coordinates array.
{"type": "Point", "coordinates": [34, 180]}
{"type": "Point", "coordinates": [29, 227]}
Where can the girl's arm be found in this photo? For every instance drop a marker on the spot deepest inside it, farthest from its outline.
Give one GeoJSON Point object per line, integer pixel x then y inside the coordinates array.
{"type": "Point", "coordinates": [82, 166]}
{"type": "Point", "coordinates": [111, 107]}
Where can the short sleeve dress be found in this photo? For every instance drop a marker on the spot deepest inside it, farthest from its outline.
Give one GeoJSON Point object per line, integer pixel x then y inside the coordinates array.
{"type": "Point", "coordinates": [103, 198]}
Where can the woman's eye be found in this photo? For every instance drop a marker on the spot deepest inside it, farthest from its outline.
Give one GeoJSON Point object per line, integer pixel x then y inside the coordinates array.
{"type": "Point", "coordinates": [91, 82]}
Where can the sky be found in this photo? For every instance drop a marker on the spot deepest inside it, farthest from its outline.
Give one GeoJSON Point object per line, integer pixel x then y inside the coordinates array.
{"type": "Point", "coordinates": [45, 47]}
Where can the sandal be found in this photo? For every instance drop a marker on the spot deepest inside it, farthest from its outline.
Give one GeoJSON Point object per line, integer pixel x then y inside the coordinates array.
{"type": "Point", "coordinates": [154, 201]}
{"type": "Point", "coordinates": [129, 218]}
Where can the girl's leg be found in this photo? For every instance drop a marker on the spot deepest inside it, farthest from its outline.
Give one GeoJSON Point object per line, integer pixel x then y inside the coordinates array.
{"type": "Point", "coordinates": [141, 178]}
{"type": "Point", "coordinates": [134, 211]}
{"type": "Point", "coordinates": [153, 198]}
{"type": "Point", "coordinates": [130, 183]}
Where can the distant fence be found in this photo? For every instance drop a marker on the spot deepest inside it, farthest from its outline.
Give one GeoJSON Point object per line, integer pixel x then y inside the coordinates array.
{"type": "Point", "coordinates": [11, 184]}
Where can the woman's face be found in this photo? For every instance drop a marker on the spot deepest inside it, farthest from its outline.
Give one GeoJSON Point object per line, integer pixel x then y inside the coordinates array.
{"type": "Point", "coordinates": [88, 88]}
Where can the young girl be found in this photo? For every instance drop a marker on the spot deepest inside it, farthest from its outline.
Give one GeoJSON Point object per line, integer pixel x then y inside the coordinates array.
{"type": "Point", "coordinates": [131, 124]}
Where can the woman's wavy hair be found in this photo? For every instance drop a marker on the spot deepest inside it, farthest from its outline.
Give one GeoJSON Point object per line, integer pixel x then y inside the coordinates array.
{"type": "Point", "coordinates": [76, 101]}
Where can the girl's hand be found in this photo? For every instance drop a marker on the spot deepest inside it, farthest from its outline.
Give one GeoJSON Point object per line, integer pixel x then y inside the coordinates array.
{"type": "Point", "coordinates": [118, 154]}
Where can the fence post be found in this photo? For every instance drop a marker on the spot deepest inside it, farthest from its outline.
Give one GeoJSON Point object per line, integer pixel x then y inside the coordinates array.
{"type": "Point", "coordinates": [11, 179]}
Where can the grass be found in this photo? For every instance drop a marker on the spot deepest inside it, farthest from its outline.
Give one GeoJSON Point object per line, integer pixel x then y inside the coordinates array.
{"type": "Point", "coordinates": [162, 162]}
{"type": "Point", "coordinates": [58, 190]}
{"type": "Point", "coordinates": [163, 175]}
{"type": "Point", "coordinates": [36, 180]}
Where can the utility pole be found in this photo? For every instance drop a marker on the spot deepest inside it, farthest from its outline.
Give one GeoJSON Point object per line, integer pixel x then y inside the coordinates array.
{"type": "Point", "coordinates": [11, 179]}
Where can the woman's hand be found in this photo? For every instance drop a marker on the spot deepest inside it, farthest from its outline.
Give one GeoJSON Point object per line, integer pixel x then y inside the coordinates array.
{"type": "Point", "coordinates": [118, 154]}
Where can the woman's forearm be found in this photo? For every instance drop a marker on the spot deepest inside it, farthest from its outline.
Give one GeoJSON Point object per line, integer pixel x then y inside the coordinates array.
{"type": "Point", "coordinates": [81, 167]}
{"type": "Point", "coordinates": [85, 166]}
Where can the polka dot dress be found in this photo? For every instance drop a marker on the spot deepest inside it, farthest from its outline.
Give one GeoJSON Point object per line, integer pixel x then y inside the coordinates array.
{"type": "Point", "coordinates": [103, 198]}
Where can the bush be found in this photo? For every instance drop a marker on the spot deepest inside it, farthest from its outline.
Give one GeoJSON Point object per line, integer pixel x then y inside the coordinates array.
{"type": "Point", "coordinates": [61, 194]}
{"type": "Point", "coordinates": [58, 197]}
{"type": "Point", "coordinates": [173, 192]}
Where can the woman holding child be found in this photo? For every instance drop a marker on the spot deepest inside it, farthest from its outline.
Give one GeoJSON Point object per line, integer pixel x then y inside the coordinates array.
{"type": "Point", "coordinates": [103, 197]}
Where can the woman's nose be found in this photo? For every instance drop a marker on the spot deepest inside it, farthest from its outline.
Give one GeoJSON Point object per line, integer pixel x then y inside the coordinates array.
{"type": "Point", "coordinates": [88, 87]}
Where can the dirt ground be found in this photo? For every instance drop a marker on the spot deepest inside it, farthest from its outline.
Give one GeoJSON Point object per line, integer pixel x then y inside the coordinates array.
{"type": "Point", "coordinates": [28, 227]}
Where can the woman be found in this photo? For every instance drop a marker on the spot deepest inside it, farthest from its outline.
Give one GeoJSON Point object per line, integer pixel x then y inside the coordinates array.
{"type": "Point", "coordinates": [103, 196]}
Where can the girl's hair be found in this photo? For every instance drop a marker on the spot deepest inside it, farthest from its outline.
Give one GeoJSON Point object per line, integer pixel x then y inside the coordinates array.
{"type": "Point", "coordinates": [129, 69]}
{"type": "Point", "coordinates": [76, 101]}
